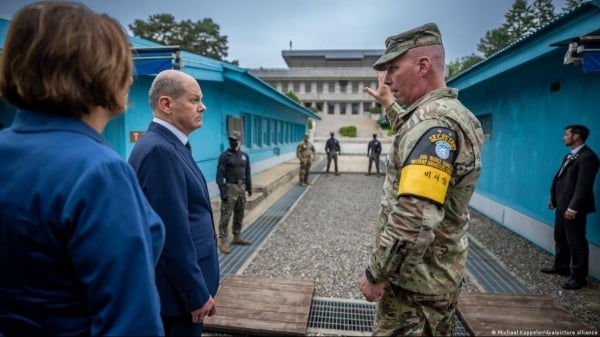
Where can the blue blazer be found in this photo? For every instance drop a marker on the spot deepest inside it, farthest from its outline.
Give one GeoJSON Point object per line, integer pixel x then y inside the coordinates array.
{"type": "Point", "coordinates": [188, 270]}
{"type": "Point", "coordinates": [78, 240]}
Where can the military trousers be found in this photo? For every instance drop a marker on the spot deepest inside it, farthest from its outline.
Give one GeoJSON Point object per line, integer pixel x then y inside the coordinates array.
{"type": "Point", "coordinates": [235, 203]}
{"type": "Point", "coordinates": [304, 171]}
{"type": "Point", "coordinates": [404, 313]}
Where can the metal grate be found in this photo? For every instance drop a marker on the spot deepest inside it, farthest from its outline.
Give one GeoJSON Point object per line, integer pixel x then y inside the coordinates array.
{"type": "Point", "coordinates": [338, 315]}
{"type": "Point", "coordinates": [349, 316]}
{"type": "Point", "coordinates": [492, 276]}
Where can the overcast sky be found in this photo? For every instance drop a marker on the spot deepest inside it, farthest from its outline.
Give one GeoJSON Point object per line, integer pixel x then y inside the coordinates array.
{"type": "Point", "coordinates": [258, 30]}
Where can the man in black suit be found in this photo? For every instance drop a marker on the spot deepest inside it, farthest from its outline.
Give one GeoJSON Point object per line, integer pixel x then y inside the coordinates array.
{"type": "Point", "coordinates": [572, 195]}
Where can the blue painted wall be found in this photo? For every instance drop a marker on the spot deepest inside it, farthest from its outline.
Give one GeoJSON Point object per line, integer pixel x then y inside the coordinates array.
{"type": "Point", "coordinates": [273, 123]}
{"type": "Point", "coordinates": [531, 95]}
{"type": "Point", "coordinates": [528, 119]}
{"type": "Point", "coordinates": [222, 99]}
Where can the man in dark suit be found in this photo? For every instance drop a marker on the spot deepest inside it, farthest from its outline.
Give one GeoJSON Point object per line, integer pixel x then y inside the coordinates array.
{"type": "Point", "coordinates": [187, 274]}
{"type": "Point", "coordinates": [572, 195]}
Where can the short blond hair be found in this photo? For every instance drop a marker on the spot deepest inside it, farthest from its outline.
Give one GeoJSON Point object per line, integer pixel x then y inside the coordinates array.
{"type": "Point", "coordinates": [62, 58]}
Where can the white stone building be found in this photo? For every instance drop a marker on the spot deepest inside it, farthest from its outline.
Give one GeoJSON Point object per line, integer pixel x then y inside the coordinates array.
{"type": "Point", "coordinates": [330, 82]}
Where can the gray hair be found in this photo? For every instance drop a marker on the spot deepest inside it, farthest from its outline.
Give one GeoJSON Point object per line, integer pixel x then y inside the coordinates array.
{"type": "Point", "coordinates": [167, 83]}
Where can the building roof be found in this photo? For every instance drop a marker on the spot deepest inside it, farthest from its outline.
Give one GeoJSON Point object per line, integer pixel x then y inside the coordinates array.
{"type": "Point", "coordinates": [331, 57]}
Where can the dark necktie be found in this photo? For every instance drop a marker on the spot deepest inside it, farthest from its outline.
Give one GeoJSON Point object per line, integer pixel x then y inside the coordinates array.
{"type": "Point", "coordinates": [189, 147]}
{"type": "Point", "coordinates": [564, 165]}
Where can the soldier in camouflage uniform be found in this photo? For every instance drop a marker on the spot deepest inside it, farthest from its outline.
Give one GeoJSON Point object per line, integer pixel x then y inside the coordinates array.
{"type": "Point", "coordinates": [418, 265]}
{"type": "Point", "coordinates": [234, 180]}
{"type": "Point", "coordinates": [305, 152]}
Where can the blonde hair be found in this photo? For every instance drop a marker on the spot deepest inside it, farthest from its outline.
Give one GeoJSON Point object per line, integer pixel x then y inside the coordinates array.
{"type": "Point", "coordinates": [62, 58]}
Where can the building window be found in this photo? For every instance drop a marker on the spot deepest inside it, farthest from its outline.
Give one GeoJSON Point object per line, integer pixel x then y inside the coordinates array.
{"type": "Point", "coordinates": [342, 108]}
{"type": "Point", "coordinates": [285, 87]}
{"type": "Point", "coordinates": [280, 132]}
{"type": "Point", "coordinates": [486, 125]}
{"type": "Point", "coordinates": [355, 108]}
{"type": "Point", "coordinates": [330, 108]}
{"type": "Point", "coordinates": [296, 87]}
{"type": "Point", "coordinates": [319, 87]}
{"type": "Point", "coordinates": [273, 131]}
{"type": "Point", "coordinates": [256, 131]}
{"type": "Point", "coordinates": [343, 85]}
{"type": "Point", "coordinates": [307, 87]}
{"type": "Point", "coordinates": [355, 87]}
{"type": "Point", "coordinates": [245, 135]}
{"type": "Point", "coordinates": [366, 106]}
{"type": "Point", "coordinates": [319, 106]}
{"type": "Point", "coordinates": [265, 132]}
{"type": "Point", "coordinates": [331, 87]}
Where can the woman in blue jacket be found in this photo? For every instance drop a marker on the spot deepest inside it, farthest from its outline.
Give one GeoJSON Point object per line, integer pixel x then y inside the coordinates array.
{"type": "Point", "coordinates": [78, 239]}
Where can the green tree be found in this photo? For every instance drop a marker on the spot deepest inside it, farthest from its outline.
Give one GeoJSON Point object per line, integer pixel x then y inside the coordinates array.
{"type": "Point", "coordinates": [570, 4]}
{"type": "Point", "coordinates": [519, 20]}
{"type": "Point", "coordinates": [543, 12]}
{"type": "Point", "coordinates": [200, 37]}
{"type": "Point", "coordinates": [463, 63]}
{"type": "Point", "coordinates": [293, 96]}
{"type": "Point", "coordinates": [493, 41]}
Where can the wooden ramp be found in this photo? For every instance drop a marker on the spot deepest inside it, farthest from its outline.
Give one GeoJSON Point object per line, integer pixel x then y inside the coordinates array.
{"type": "Point", "coordinates": [489, 314]}
{"type": "Point", "coordinates": [254, 305]}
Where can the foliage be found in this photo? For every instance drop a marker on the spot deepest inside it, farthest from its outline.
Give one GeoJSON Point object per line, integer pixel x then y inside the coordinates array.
{"type": "Point", "coordinates": [519, 20]}
{"type": "Point", "coordinates": [348, 131]}
{"type": "Point", "coordinates": [493, 41]}
{"type": "Point", "coordinates": [201, 37]}
{"type": "Point", "coordinates": [463, 63]}
{"type": "Point", "coordinates": [376, 109]}
{"type": "Point", "coordinates": [293, 96]}
{"type": "Point", "coordinates": [570, 4]}
{"type": "Point", "coordinates": [543, 12]}
{"type": "Point", "coordinates": [383, 122]}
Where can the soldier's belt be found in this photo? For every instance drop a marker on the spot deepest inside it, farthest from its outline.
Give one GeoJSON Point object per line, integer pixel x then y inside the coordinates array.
{"type": "Point", "coordinates": [236, 181]}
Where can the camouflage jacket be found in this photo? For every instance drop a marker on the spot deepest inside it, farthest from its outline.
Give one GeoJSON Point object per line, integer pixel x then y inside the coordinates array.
{"type": "Point", "coordinates": [422, 245]}
{"type": "Point", "coordinates": [305, 151]}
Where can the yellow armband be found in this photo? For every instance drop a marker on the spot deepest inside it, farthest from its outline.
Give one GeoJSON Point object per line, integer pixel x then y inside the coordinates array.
{"type": "Point", "coordinates": [427, 171]}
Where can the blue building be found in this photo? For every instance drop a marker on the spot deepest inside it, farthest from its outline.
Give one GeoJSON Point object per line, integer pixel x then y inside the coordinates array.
{"type": "Point", "coordinates": [525, 95]}
{"type": "Point", "coordinates": [271, 123]}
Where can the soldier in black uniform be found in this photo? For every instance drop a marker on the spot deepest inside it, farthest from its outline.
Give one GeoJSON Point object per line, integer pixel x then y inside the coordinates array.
{"type": "Point", "coordinates": [373, 152]}
{"type": "Point", "coordinates": [234, 180]}
{"type": "Point", "coordinates": [332, 148]}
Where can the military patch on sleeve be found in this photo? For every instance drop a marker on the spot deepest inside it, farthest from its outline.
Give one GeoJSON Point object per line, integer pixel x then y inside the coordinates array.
{"type": "Point", "coordinates": [427, 171]}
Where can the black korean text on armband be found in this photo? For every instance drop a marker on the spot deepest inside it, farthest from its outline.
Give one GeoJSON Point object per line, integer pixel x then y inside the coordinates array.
{"type": "Point", "coordinates": [427, 171]}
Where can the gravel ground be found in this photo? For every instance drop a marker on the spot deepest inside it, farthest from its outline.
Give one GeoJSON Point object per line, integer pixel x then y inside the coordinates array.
{"type": "Point", "coordinates": [329, 235]}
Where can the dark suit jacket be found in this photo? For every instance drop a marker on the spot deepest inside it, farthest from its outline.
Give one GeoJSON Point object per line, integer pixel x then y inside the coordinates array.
{"type": "Point", "coordinates": [574, 187]}
{"type": "Point", "coordinates": [188, 270]}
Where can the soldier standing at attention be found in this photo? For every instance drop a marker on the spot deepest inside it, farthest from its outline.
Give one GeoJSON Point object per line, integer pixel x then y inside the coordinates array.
{"type": "Point", "coordinates": [373, 152]}
{"type": "Point", "coordinates": [305, 152]}
{"type": "Point", "coordinates": [418, 265]}
{"type": "Point", "coordinates": [332, 148]}
{"type": "Point", "coordinates": [234, 180]}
